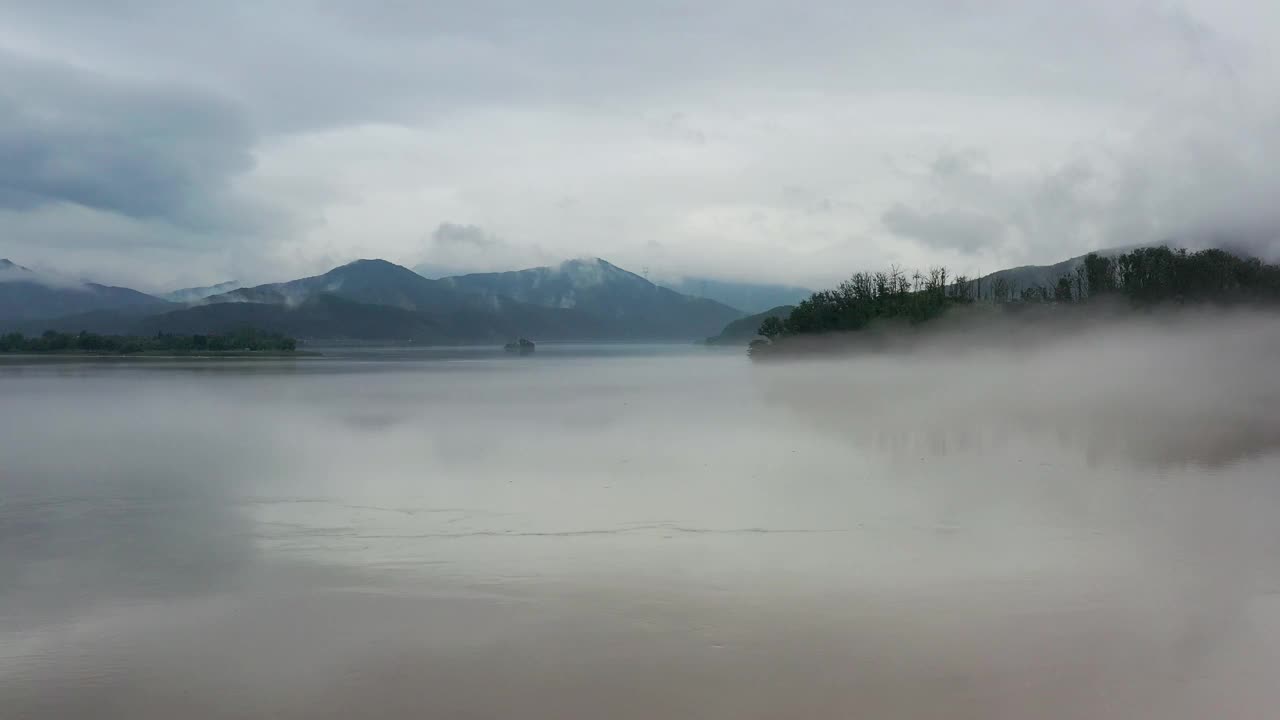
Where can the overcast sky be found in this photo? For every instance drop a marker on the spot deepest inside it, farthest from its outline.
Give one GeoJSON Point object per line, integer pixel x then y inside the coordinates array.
{"type": "Point", "coordinates": [166, 143]}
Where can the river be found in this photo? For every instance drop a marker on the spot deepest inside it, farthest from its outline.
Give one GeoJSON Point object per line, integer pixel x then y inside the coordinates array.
{"type": "Point", "coordinates": [641, 532]}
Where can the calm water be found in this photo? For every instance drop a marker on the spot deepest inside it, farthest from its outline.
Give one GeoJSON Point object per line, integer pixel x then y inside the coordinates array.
{"type": "Point", "coordinates": [642, 532]}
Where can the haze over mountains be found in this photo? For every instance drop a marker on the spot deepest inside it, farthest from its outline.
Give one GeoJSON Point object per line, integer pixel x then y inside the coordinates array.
{"type": "Point", "coordinates": [606, 291]}
{"type": "Point", "coordinates": [26, 295]}
{"type": "Point", "coordinates": [747, 297]}
{"type": "Point", "coordinates": [375, 300]}
{"type": "Point", "coordinates": [379, 301]}
{"type": "Point", "coordinates": [744, 330]}
{"type": "Point", "coordinates": [195, 294]}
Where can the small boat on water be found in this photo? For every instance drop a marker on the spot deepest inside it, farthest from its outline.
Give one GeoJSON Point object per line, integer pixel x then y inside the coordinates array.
{"type": "Point", "coordinates": [522, 346]}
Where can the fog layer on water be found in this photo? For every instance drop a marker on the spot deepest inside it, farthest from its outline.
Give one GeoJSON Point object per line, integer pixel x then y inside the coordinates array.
{"type": "Point", "coordinates": [1080, 527]}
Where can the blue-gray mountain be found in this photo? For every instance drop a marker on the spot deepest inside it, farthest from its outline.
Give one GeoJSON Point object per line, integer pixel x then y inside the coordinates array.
{"type": "Point", "coordinates": [744, 330]}
{"type": "Point", "coordinates": [373, 282]}
{"type": "Point", "coordinates": [28, 296]}
{"type": "Point", "coordinates": [747, 297]}
{"type": "Point", "coordinates": [1030, 276]}
{"type": "Point", "coordinates": [196, 294]}
{"type": "Point", "coordinates": [620, 298]}
{"type": "Point", "coordinates": [374, 300]}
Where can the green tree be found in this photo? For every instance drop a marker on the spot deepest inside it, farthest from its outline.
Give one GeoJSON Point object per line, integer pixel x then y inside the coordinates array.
{"type": "Point", "coordinates": [1100, 275]}
{"type": "Point", "coordinates": [1062, 291]}
{"type": "Point", "coordinates": [771, 327]}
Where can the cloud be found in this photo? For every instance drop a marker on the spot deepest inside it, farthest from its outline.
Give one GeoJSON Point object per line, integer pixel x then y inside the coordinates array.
{"type": "Point", "coordinates": [145, 152]}
{"type": "Point", "coordinates": [949, 229]}
{"type": "Point", "coordinates": [137, 181]}
{"type": "Point", "coordinates": [751, 139]}
{"type": "Point", "coordinates": [12, 272]}
{"type": "Point", "coordinates": [1184, 180]}
{"type": "Point", "coordinates": [455, 249]}
{"type": "Point", "coordinates": [464, 236]}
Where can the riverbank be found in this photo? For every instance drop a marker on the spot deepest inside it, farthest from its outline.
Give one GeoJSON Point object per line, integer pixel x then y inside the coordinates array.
{"type": "Point", "coordinates": [161, 355]}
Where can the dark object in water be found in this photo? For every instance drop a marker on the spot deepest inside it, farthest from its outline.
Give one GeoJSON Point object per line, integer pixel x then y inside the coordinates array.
{"type": "Point", "coordinates": [522, 346]}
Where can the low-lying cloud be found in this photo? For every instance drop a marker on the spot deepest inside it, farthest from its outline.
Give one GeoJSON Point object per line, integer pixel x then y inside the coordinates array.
{"type": "Point", "coordinates": [455, 249]}
{"type": "Point", "coordinates": [1165, 388]}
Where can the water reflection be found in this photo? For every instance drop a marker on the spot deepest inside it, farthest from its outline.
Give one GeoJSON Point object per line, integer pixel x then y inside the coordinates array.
{"type": "Point", "coordinates": [652, 532]}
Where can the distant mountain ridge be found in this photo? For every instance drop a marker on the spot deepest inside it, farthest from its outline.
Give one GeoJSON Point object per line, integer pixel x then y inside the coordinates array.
{"type": "Point", "coordinates": [604, 290]}
{"type": "Point", "coordinates": [375, 300]}
{"type": "Point", "coordinates": [196, 294]}
{"type": "Point", "coordinates": [744, 330]}
{"type": "Point", "coordinates": [1026, 276]}
{"type": "Point", "coordinates": [745, 296]}
{"type": "Point", "coordinates": [373, 282]}
{"type": "Point", "coordinates": [378, 300]}
{"type": "Point", "coordinates": [26, 295]}
{"type": "Point", "coordinates": [447, 314]}
{"type": "Point", "coordinates": [332, 317]}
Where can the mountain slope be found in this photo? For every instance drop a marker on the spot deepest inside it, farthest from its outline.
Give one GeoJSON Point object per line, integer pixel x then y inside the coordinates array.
{"type": "Point", "coordinates": [331, 317]}
{"type": "Point", "coordinates": [744, 330]}
{"type": "Point", "coordinates": [633, 307]}
{"type": "Point", "coordinates": [1027, 276]}
{"type": "Point", "coordinates": [747, 297]}
{"type": "Point", "coordinates": [26, 295]}
{"type": "Point", "coordinates": [327, 317]}
{"type": "Point", "coordinates": [440, 312]}
{"type": "Point", "coordinates": [372, 282]}
{"type": "Point", "coordinates": [196, 294]}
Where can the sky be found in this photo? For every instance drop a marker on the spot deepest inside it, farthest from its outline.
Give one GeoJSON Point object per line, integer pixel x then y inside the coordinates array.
{"type": "Point", "coordinates": [160, 144]}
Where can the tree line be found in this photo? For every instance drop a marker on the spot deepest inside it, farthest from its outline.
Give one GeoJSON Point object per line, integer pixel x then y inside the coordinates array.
{"type": "Point", "coordinates": [247, 339]}
{"type": "Point", "coordinates": [1144, 276]}
{"type": "Point", "coordinates": [868, 297]}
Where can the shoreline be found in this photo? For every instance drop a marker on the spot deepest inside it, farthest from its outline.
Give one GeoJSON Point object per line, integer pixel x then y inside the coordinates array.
{"type": "Point", "coordinates": [164, 355]}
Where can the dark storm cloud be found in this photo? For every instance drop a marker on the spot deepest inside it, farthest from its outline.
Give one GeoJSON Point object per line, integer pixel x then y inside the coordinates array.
{"type": "Point", "coordinates": [150, 152]}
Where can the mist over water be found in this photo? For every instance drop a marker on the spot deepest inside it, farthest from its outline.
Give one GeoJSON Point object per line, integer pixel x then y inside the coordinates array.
{"type": "Point", "coordinates": [1072, 528]}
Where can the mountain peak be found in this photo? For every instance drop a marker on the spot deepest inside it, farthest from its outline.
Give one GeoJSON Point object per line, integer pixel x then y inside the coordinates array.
{"type": "Point", "coordinates": [372, 265]}
{"type": "Point", "coordinates": [629, 303]}
{"type": "Point", "coordinates": [588, 261]}
{"type": "Point", "coordinates": [588, 272]}
{"type": "Point", "coordinates": [594, 270]}
{"type": "Point", "coordinates": [368, 281]}
{"type": "Point", "coordinates": [371, 262]}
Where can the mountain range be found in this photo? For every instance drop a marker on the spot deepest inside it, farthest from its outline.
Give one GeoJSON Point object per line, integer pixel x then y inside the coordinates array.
{"type": "Point", "coordinates": [375, 300]}
{"type": "Point", "coordinates": [26, 295]}
{"type": "Point", "coordinates": [607, 291]}
{"type": "Point", "coordinates": [378, 301]}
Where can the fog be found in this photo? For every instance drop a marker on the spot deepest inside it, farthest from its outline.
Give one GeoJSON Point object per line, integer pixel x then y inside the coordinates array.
{"type": "Point", "coordinates": [1076, 527]}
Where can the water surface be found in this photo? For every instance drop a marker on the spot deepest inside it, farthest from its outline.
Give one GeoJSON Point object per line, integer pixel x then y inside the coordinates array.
{"type": "Point", "coordinates": [639, 532]}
